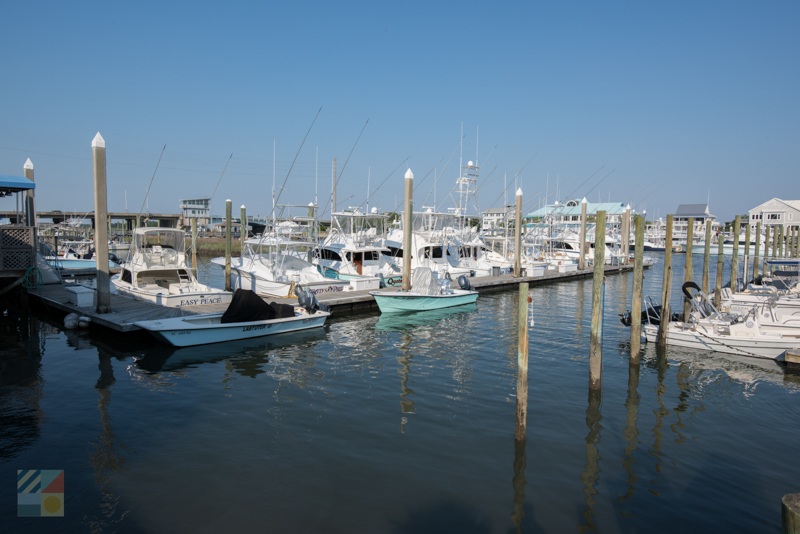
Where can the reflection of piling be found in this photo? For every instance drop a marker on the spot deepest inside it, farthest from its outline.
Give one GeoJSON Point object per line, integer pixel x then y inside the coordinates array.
{"type": "Point", "coordinates": [735, 257]}
{"type": "Point", "coordinates": [758, 245]}
{"type": "Point", "coordinates": [408, 221]}
{"type": "Point", "coordinates": [636, 302]}
{"type": "Point", "coordinates": [596, 340]}
{"type": "Point", "coordinates": [227, 245]}
{"type": "Point", "coordinates": [631, 432]}
{"type": "Point", "coordinates": [194, 246]}
{"type": "Point", "coordinates": [582, 262]}
{"type": "Point", "coordinates": [666, 285]}
{"type": "Point", "coordinates": [518, 235]}
{"type": "Point", "coordinates": [522, 365]}
{"type": "Point", "coordinates": [518, 483]}
{"type": "Point", "coordinates": [687, 269]}
{"type": "Point", "coordinates": [718, 287]}
{"type": "Point", "coordinates": [591, 472]}
{"type": "Point", "coordinates": [707, 258]}
{"type": "Point", "coordinates": [790, 512]}
{"type": "Point", "coordinates": [101, 223]}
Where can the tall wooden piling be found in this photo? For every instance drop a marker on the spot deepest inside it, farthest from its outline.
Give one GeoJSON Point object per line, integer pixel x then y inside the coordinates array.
{"type": "Point", "coordinates": [334, 186]}
{"type": "Point", "coordinates": [582, 262]}
{"type": "Point", "coordinates": [718, 286]}
{"type": "Point", "coordinates": [790, 513]}
{"type": "Point", "coordinates": [408, 221]}
{"type": "Point", "coordinates": [758, 245]}
{"type": "Point", "coordinates": [522, 365]}
{"type": "Point", "coordinates": [518, 235]}
{"type": "Point", "coordinates": [687, 267]}
{"type": "Point", "coordinates": [781, 243]}
{"type": "Point", "coordinates": [194, 247]}
{"type": "Point", "coordinates": [735, 257]}
{"type": "Point", "coordinates": [626, 235]}
{"type": "Point", "coordinates": [707, 258]}
{"type": "Point", "coordinates": [638, 279]}
{"type": "Point", "coordinates": [30, 208]}
{"type": "Point", "coordinates": [101, 223]}
{"type": "Point", "coordinates": [746, 253]}
{"type": "Point", "coordinates": [774, 246]}
{"type": "Point", "coordinates": [227, 245]}
{"type": "Point", "coordinates": [596, 339]}
{"type": "Point", "coordinates": [666, 285]}
{"type": "Point", "coordinates": [766, 249]}
{"type": "Point", "coordinates": [242, 229]}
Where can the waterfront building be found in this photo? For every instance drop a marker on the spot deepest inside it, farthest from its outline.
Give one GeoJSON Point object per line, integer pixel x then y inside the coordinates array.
{"type": "Point", "coordinates": [776, 212]}
{"type": "Point", "coordinates": [196, 207]}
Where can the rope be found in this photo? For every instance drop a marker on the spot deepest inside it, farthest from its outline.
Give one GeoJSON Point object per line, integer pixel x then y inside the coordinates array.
{"type": "Point", "coordinates": [32, 279]}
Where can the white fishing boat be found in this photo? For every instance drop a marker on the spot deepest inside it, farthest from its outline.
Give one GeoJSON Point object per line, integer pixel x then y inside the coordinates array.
{"type": "Point", "coordinates": [247, 317]}
{"type": "Point", "coordinates": [76, 255]}
{"type": "Point", "coordinates": [427, 293]}
{"type": "Point", "coordinates": [156, 272]}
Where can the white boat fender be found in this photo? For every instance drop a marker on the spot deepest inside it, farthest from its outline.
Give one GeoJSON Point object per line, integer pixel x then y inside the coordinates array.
{"type": "Point", "coordinates": [84, 321]}
{"type": "Point", "coordinates": [71, 321]}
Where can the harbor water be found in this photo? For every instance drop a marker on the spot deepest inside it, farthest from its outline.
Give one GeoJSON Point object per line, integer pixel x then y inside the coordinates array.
{"type": "Point", "coordinates": [398, 424]}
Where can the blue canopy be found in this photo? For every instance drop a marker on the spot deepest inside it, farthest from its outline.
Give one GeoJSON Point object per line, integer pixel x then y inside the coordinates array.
{"type": "Point", "coordinates": [14, 184]}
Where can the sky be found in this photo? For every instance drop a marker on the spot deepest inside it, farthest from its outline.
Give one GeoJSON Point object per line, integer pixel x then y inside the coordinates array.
{"type": "Point", "coordinates": [681, 102]}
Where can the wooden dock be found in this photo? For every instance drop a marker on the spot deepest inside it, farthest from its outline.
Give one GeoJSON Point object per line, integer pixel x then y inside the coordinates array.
{"type": "Point", "coordinates": [126, 311]}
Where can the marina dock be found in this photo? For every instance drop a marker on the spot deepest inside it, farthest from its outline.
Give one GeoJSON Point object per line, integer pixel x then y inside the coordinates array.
{"type": "Point", "coordinates": [126, 311]}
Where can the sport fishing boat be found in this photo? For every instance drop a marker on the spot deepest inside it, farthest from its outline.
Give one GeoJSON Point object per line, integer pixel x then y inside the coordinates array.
{"type": "Point", "coordinates": [77, 255]}
{"type": "Point", "coordinates": [248, 316]}
{"type": "Point", "coordinates": [427, 293]}
{"type": "Point", "coordinates": [156, 272]}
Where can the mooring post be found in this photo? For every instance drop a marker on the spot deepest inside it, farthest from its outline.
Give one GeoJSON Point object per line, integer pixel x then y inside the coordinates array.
{"type": "Point", "coordinates": [766, 249]}
{"type": "Point", "coordinates": [243, 229]}
{"type": "Point", "coordinates": [582, 262]}
{"type": "Point", "coordinates": [781, 247]}
{"type": "Point", "coordinates": [746, 253]}
{"type": "Point", "coordinates": [408, 221]}
{"type": "Point", "coordinates": [718, 287]}
{"type": "Point", "coordinates": [735, 256]}
{"type": "Point", "coordinates": [687, 267]}
{"type": "Point", "coordinates": [227, 245]}
{"type": "Point", "coordinates": [626, 235]}
{"type": "Point", "coordinates": [101, 223]}
{"type": "Point", "coordinates": [790, 513]}
{"type": "Point", "coordinates": [522, 364]}
{"type": "Point", "coordinates": [30, 208]}
{"type": "Point", "coordinates": [638, 279]}
{"type": "Point", "coordinates": [518, 236]}
{"type": "Point", "coordinates": [707, 258]}
{"type": "Point", "coordinates": [758, 245]}
{"type": "Point", "coordinates": [666, 285]}
{"type": "Point", "coordinates": [194, 247]}
{"type": "Point", "coordinates": [596, 340]}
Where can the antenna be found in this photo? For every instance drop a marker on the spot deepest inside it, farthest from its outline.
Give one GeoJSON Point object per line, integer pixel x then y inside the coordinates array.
{"type": "Point", "coordinates": [369, 175]}
{"type": "Point", "coordinates": [316, 178]}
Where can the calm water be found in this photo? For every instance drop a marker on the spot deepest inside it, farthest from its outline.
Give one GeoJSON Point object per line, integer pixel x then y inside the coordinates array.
{"type": "Point", "coordinates": [398, 424]}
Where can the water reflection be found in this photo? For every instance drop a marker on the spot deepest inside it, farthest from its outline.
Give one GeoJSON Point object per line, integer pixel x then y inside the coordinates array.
{"type": "Point", "coordinates": [591, 473]}
{"type": "Point", "coordinates": [399, 322]}
{"type": "Point", "coordinates": [631, 433]}
{"type": "Point", "coordinates": [406, 404]}
{"type": "Point", "coordinates": [518, 482]}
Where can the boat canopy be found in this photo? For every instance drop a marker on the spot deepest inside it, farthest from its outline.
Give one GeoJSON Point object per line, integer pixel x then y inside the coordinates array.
{"type": "Point", "coordinates": [163, 237]}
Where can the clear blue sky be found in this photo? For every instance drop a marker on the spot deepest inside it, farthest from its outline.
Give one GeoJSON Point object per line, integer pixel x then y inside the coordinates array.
{"type": "Point", "coordinates": [677, 97]}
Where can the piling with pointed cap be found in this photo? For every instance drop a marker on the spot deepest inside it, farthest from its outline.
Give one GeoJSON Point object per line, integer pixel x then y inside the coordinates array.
{"type": "Point", "coordinates": [638, 280]}
{"type": "Point", "coordinates": [408, 220]}
{"type": "Point", "coordinates": [30, 208]}
{"type": "Point", "coordinates": [758, 246]}
{"type": "Point", "coordinates": [194, 247]}
{"type": "Point", "coordinates": [718, 287]}
{"type": "Point", "coordinates": [626, 235]}
{"type": "Point", "coordinates": [518, 235]}
{"type": "Point", "coordinates": [522, 364]}
{"type": "Point", "coordinates": [242, 228]}
{"type": "Point", "coordinates": [735, 257]}
{"type": "Point", "coordinates": [687, 268]}
{"type": "Point", "coordinates": [101, 223]}
{"type": "Point", "coordinates": [582, 262]}
{"type": "Point", "coordinates": [707, 258]}
{"type": "Point", "coordinates": [596, 335]}
{"type": "Point", "coordinates": [666, 285]}
{"type": "Point", "coordinates": [227, 245]}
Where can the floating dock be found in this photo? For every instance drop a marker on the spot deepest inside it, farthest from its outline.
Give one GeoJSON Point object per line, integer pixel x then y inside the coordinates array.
{"type": "Point", "coordinates": [126, 310]}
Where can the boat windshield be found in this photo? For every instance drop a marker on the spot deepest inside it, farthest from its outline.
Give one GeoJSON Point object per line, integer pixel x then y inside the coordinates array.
{"type": "Point", "coordinates": [163, 237]}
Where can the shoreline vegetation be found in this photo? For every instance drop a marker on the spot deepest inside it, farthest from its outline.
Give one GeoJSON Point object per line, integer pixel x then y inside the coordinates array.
{"type": "Point", "coordinates": [214, 246]}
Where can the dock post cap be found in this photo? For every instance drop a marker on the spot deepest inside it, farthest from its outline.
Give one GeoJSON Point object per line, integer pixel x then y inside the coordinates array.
{"type": "Point", "coordinates": [519, 192]}
{"type": "Point", "coordinates": [98, 141]}
{"type": "Point", "coordinates": [28, 164]}
{"type": "Point", "coordinates": [409, 174]}
{"type": "Point", "coordinates": [583, 201]}
{"type": "Point", "coordinates": [628, 207]}
{"type": "Point", "coordinates": [228, 200]}
{"type": "Point", "coordinates": [242, 206]}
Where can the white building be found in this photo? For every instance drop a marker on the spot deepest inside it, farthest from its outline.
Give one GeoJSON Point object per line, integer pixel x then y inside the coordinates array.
{"type": "Point", "coordinates": [196, 207]}
{"type": "Point", "coordinates": [776, 212]}
{"type": "Point", "coordinates": [493, 218]}
{"type": "Point", "coordinates": [702, 217]}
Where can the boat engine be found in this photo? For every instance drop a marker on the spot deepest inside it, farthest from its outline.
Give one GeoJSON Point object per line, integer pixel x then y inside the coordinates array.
{"type": "Point", "coordinates": [463, 283]}
{"type": "Point", "coordinates": [308, 301]}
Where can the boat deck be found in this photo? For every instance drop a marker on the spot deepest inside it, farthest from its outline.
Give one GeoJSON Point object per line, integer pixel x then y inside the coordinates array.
{"type": "Point", "coordinates": [126, 310]}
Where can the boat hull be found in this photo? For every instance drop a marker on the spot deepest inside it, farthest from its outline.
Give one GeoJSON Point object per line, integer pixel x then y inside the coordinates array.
{"type": "Point", "coordinates": [191, 331]}
{"type": "Point", "coordinates": [772, 349]}
{"type": "Point", "coordinates": [390, 302]}
{"type": "Point", "coordinates": [194, 298]}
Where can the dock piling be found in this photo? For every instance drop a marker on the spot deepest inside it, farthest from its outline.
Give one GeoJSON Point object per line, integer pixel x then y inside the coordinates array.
{"type": "Point", "coordinates": [227, 245]}
{"type": "Point", "coordinates": [735, 258]}
{"type": "Point", "coordinates": [790, 513]}
{"type": "Point", "coordinates": [518, 235]}
{"type": "Point", "coordinates": [598, 282]}
{"type": "Point", "coordinates": [687, 267]}
{"type": "Point", "coordinates": [242, 229]}
{"type": "Point", "coordinates": [194, 247]}
{"type": "Point", "coordinates": [718, 287]}
{"type": "Point", "coordinates": [626, 235]}
{"type": "Point", "coordinates": [101, 223]}
{"type": "Point", "coordinates": [582, 262]}
{"type": "Point", "coordinates": [638, 279]}
{"type": "Point", "coordinates": [758, 245]}
{"type": "Point", "coordinates": [30, 209]}
{"type": "Point", "coordinates": [522, 365]}
{"type": "Point", "coordinates": [746, 271]}
{"type": "Point", "coordinates": [666, 285]}
{"type": "Point", "coordinates": [707, 258]}
{"type": "Point", "coordinates": [408, 221]}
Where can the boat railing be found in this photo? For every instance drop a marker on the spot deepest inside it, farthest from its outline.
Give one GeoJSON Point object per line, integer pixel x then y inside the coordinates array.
{"type": "Point", "coordinates": [650, 307]}
{"type": "Point", "coordinates": [50, 257]}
